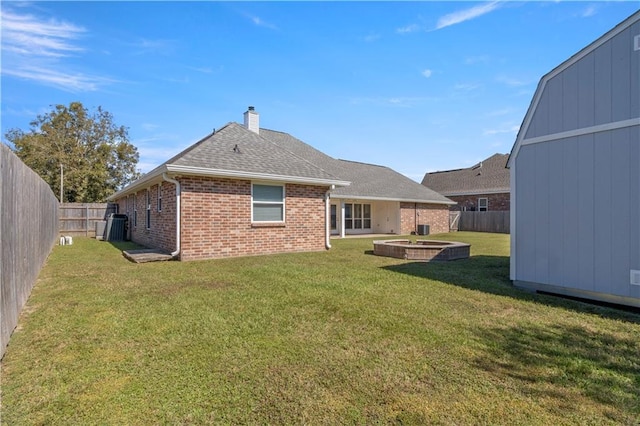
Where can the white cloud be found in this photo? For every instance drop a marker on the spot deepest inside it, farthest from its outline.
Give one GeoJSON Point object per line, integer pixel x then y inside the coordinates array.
{"type": "Point", "coordinates": [512, 82]}
{"type": "Point", "coordinates": [466, 14]}
{"type": "Point", "coordinates": [499, 112]}
{"type": "Point", "coordinates": [261, 23]}
{"type": "Point", "coordinates": [371, 38]}
{"type": "Point", "coordinates": [427, 73]}
{"type": "Point", "coordinates": [35, 49]}
{"type": "Point", "coordinates": [472, 60]}
{"type": "Point", "coordinates": [146, 46]}
{"type": "Point", "coordinates": [589, 11]}
{"type": "Point", "coordinates": [408, 29]}
{"type": "Point", "coordinates": [71, 82]}
{"type": "Point", "coordinates": [467, 87]}
{"type": "Point", "coordinates": [26, 35]}
{"type": "Point", "coordinates": [399, 101]}
{"type": "Point", "coordinates": [507, 129]}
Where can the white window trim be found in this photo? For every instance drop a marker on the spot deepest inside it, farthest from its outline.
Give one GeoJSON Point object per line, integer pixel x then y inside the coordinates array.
{"type": "Point", "coordinates": [486, 204]}
{"type": "Point", "coordinates": [159, 205]}
{"type": "Point", "coordinates": [284, 204]}
{"type": "Point", "coordinates": [135, 211]}
{"type": "Point", "coordinates": [362, 216]}
{"type": "Point", "coordinates": [147, 217]}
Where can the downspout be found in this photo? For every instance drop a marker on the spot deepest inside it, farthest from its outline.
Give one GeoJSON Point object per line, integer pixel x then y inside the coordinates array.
{"type": "Point", "coordinates": [327, 209]}
{"type": "Point", "coordinates": [177, 184]}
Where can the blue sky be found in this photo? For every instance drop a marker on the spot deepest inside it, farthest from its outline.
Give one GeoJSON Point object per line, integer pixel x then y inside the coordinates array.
{"type": "Point", "coordinates": [416, 86]}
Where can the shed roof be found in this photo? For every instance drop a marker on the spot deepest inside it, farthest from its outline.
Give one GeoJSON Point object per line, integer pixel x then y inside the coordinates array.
{"type": "Point", "coordinates": [488, 176]}
{"type": "Point", "coordinates": [524, 127]}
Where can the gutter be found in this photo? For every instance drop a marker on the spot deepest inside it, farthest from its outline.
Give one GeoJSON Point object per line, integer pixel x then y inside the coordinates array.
{"type": "Point", "coordinates": [232, 174]}
{"type": "Point", "coordinates": [327, 216]}
{"type": "Point", "coordinates": [176, 253]}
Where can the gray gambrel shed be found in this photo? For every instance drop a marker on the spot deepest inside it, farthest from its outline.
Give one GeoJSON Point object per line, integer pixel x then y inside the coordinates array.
{"type": "Point", "coordinates": [575, 175]}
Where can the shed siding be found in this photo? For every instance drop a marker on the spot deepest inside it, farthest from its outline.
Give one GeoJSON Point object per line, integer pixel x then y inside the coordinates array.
{"type": "Point", "coordinates": [577, 196]}
{"type": "Point", "coordinates": [585, 217]}
{"type": "Point", "coordinates": [568, 274]}
{"type": "Point", "coordinates": [609, 75]}
{"type": "Point", "coordinates": [577, 206]}
{"type": "Point", "coordinates": [586, 91]}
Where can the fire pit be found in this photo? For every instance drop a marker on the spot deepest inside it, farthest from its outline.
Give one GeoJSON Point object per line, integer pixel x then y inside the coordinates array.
{"type": "Point", "coordinates": [424, 250]}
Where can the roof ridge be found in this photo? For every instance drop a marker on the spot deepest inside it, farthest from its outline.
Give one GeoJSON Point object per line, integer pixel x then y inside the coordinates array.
{"type": "Point", "coordinates": [296, 155]}
{"type": "Point", "coordinates": [362, 162]}
{"type": "Point", "coordinates": [195, 145]}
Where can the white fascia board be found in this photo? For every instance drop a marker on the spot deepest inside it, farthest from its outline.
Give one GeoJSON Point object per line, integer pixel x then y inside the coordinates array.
{"type": "Point", "coordinates": [175, 170]}
{"type": "Point", "coordinates": [200, 171]}
{"type": "Point", "coordinates": [145, 181]}
{"type": "Point", "coordinates": [406, 200]}
{"type": "Point", "coordinates": [583, 131]}
{"type": "Point", "coordinates": [477, 192]}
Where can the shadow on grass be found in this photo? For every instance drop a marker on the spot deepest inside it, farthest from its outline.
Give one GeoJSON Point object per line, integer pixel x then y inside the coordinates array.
{"type": "Point", "coordinates": [490, 274]}
{"type": "Point", "coordinates": [567, 363]}
{"type": "Point", "coordinates": [554, 361]}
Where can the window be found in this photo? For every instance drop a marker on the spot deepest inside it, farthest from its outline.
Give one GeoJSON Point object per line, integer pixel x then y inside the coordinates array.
{"type": "Point", "coordinates": [148, 218]}
{"type": "Point", "coordinates": [483, 204]}
{"type": "Point", "coordinates": [357, 216]}
{"type": "Point", "coordinates": [267, 203]}
{"type": "Point", "coordinates": [159, 197]}
{"type": "Point", "coordinates": [135, 210]}
{"type": "Point", "coordinates": [334, 217]}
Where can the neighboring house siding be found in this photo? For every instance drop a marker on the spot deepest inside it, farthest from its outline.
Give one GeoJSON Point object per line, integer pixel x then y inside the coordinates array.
{"type": "Point", "coordinates": [216, 220]}
{"type": "Point", "coordinates": [436, 216]}
{"type": "Point", "coordinates": [497, 202]}
{"type": "Point", "coordinates": [162, 231]}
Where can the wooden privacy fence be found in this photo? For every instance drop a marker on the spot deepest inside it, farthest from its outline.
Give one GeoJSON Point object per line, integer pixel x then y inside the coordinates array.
{"type": "Point", "coordinates": [28, 232]}
{"type": "Point", "coordinates": [81, 218]}
{"type": "Point", "coordinates": [492, 221]}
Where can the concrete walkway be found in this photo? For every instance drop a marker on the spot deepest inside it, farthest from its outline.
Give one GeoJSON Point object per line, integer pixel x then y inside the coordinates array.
{"type": "Point", "coordinates": [147, 255]}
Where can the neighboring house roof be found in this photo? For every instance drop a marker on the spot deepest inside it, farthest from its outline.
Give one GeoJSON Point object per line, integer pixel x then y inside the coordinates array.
{"type": "Point", "coordinates": [487, 177]}
{"type": "Point", "coordinates": [368, 181]}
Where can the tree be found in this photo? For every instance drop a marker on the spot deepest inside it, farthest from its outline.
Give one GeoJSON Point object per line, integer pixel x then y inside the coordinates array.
{"type": "Point", "coordinates": [94, 152]}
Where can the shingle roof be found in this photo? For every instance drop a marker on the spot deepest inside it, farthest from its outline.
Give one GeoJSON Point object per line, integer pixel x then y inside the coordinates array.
{"type": "Point", "coordinates": [368, 181]}
{"type": "Point", "coordinates": [235, 151]}
{"type": "Point", "coordinates": [490, 175]}
{"type": "Point", "coordinates": [235, 148]}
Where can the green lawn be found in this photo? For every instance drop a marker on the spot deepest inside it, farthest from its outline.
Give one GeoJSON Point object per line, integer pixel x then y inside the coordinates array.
{"type": "Point", "coordinates": [339, 337]}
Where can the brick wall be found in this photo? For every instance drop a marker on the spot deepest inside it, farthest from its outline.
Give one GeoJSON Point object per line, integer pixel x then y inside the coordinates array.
{"type": "Point", "coordinates": [497, 202]}
{"type": "Point", "coordinates": [216, 220]}
{"type": "Point", "coordinates": [434, 215]}
{"type": "Point", "coordinates": [161, 232]}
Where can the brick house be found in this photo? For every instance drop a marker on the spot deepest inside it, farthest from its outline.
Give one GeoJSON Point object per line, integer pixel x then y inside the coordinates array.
{"type": "Point", "coordinates": [483, 187]}
{"type": "Point", "coordinates": [244, 191]}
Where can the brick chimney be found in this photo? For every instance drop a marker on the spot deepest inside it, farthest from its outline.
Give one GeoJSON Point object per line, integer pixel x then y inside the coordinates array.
{"type": "Point", "coordinates": [252, 120]}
